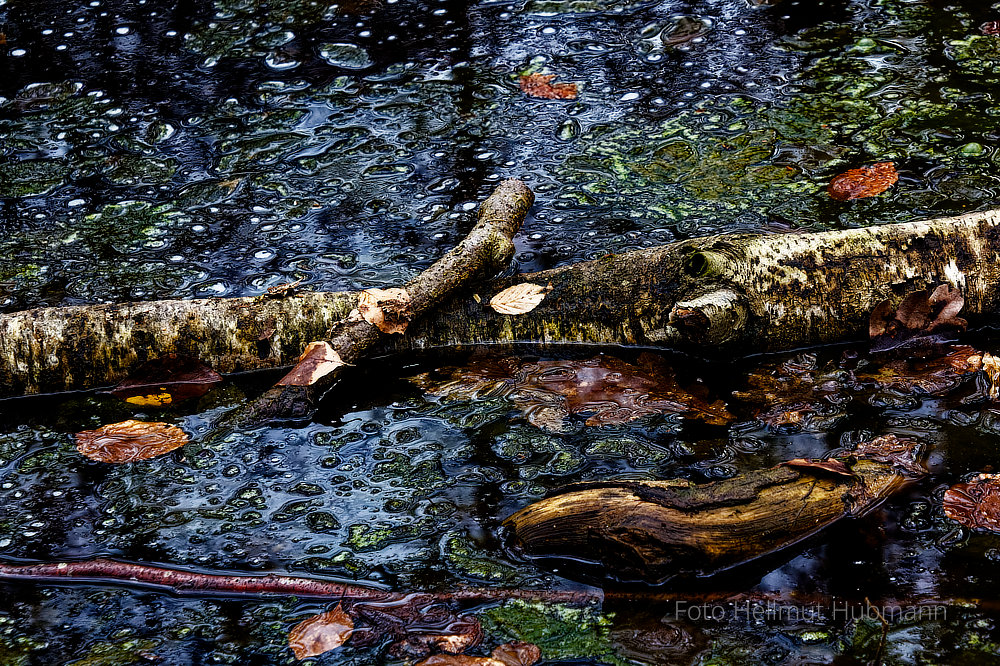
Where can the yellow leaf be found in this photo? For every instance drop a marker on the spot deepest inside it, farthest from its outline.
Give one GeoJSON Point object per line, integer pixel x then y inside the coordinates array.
{"type": "Point", "coordinates": [519, 299]}
{"type": "Point", "coordinates": [320, 633]}
{"type": "Point", "coordinates": [151, 400]}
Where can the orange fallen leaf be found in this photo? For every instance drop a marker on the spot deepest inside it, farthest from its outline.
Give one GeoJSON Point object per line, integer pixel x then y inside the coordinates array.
{"type": "Point", "coordinates": [516, 653]}
{"type": "Point", "coordinates": [540, 85]}
{"type": "Point", "coordinates": [129, 441]}
{"type": "Point", "coordinates": [166, 380]}
{"type": "Point", "coordinates": [318, 360]}
{"type": "Point", "coordinates": [975, 504]}
{"type": "Point", "coordinates": [863, 182]}
{"type": "Point", "coordinates": [320, 633]}
{"type": "Point", "coordinates": [386, 309]}
{"type": "Point", "coordinates": [519, 299]}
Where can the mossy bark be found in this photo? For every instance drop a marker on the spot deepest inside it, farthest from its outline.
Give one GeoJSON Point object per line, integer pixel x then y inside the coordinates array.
{"type": "Point", "coordinates": [739, 294]}
{"type": "Point", "coordinates": [722, 294]}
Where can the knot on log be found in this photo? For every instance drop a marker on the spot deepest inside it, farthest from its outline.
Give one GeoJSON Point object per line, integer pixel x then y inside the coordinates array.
{"type": "Point", "coordinates": [713, 318]}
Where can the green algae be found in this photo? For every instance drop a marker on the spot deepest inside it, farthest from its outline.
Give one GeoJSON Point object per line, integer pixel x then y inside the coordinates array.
{"type": "Point", "coordinates": [31, 178]}
{"type": "Point", "coordinates": [561, 632]}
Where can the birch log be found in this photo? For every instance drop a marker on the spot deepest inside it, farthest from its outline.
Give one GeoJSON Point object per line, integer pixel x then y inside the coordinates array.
{"type": "Point", "coordinates": [732, 294]}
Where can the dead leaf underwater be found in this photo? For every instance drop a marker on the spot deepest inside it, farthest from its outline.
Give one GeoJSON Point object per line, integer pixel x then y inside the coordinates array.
{"type": "Point", "coordinates": [167, 380]}
{"type": "Point", "coordinates": [607, 389]}
{"type": "Point", "coordinates": [542, 86]}
{"type": "Point", "coordinates": [864, 182]}
{"type": "Point", "coordinates": [320, 633]}
{"type": "Point", "coordinates": [129, 441]}
{"type": "Point", "coordinates": [652, 531]}
{"type": "Point", "coordinates": [975, 504]}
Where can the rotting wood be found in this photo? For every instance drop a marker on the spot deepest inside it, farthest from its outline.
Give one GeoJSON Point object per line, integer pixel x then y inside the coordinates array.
{"type": "Point", "coordinates": [732, 294]}
{"type": "Point", "coordinates": [652, 531]}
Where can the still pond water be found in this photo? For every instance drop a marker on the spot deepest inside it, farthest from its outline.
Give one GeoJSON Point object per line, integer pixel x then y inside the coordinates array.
{"type": "Point", "coordinates": [154, 149]}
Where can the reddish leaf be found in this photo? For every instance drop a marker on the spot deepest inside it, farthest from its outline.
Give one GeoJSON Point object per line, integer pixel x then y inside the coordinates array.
{"type": "Point", "coordinates": [462, 634]}
{"type": "Point", "coordinates": [540, 85]}
{"type": "Point", "coordinates": [901, 452]}
{"type": "Point", "coordinates": [612, 391]}
{"type": "Point", "coordinates": [975, 504]}
{"type": "Point", "coordinates": [516, 653]}
{"type": "Point", "coordinates": [129, 441]}
{"type": "Point", "coordinates": [863, 182]}
{"type": "Point", "coordinates": [831, 466]}
{"type": "Point", "coordinates": [165, 380]}
{"type": "Point", "coordinates": [990, 28]}
{"type": "Point", "coordinates": [320, 633]}
{"type": "Point", "coordinates": [797, 394]}
{"type": "Point", "coordinates": [932, 376]}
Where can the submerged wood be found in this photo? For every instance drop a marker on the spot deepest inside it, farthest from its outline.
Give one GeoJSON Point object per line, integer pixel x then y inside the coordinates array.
{"type": "Point", "coordinates": [735, 294]}
{"type": "Point", "coordinates": [652, 531]}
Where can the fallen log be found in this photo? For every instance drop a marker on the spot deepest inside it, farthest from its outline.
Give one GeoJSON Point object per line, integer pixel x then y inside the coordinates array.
{"type": "Point", "coordinates": [734, 294]}
{"type": "Point", "coordinates": [652, 531]}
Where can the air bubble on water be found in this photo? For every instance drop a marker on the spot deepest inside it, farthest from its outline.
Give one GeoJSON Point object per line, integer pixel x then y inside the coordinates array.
{"type": "Point", "coordinates": [17, 53]}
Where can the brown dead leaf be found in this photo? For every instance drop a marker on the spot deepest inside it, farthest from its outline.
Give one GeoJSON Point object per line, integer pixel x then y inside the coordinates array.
{"type": "Point", "coordinates": [798, 394]}
{"type": "Point", "coordinates": [540, 85]}
{"type": "Point", "coordinates": [903, 453]}
{"type": "Point", "coordinates": [129, 441]}
{"type": "Point", "coordinates": [864, 182]}
{"type": "Point", "coordinates": [386, 309]}
{"type": "Point", "coordinates": [922, 319]}
{"type": "Point", "coordinates": [975, 504]}
{"type": "Point", "coordinates": [519, 299]}
{"type": "Point", "coordinates": [320, 633]}
{"type": "Point", "coordinates": [166, 380]}
{"type": "Point", "coordinates": [516, 653]}
{"type": "Point", "coordinates": [458, 635]}
{"type": "Point", "coordinates": [830, 466]}
{"type": "Point", "coordinates": [318, 360]}
{"type": "Point", "coordinates": [610, 390]}
{"type": "Point", "coordinates": [925, 376]}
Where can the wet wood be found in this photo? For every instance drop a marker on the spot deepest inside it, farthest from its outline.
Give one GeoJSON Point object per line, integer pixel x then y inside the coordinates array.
{"type": "Point", "coordinates": [728, 294]}
{"type": "Point", "coordinates": [652, 531]}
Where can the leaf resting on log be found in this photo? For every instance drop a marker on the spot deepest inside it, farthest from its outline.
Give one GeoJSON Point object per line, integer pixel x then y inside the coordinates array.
{"type": "Point", "coordinates": [485, 251]}
{"type": "Point", "coordinates": [722, 294]}
{"type": "Point", "coordinates": [654, 530]}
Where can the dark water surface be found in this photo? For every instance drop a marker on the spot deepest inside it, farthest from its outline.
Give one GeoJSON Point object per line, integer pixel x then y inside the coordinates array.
{"type": "Point", "coordinates": [152, 149]}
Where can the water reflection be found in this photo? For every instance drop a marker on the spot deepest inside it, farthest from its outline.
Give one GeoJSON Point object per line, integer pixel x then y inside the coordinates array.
{"type": "Point", "coordinates": [152, 150]}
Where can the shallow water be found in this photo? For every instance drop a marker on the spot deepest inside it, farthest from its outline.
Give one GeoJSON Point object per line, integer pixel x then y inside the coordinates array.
{"type": "Point", "coordinates": [152, 149]}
